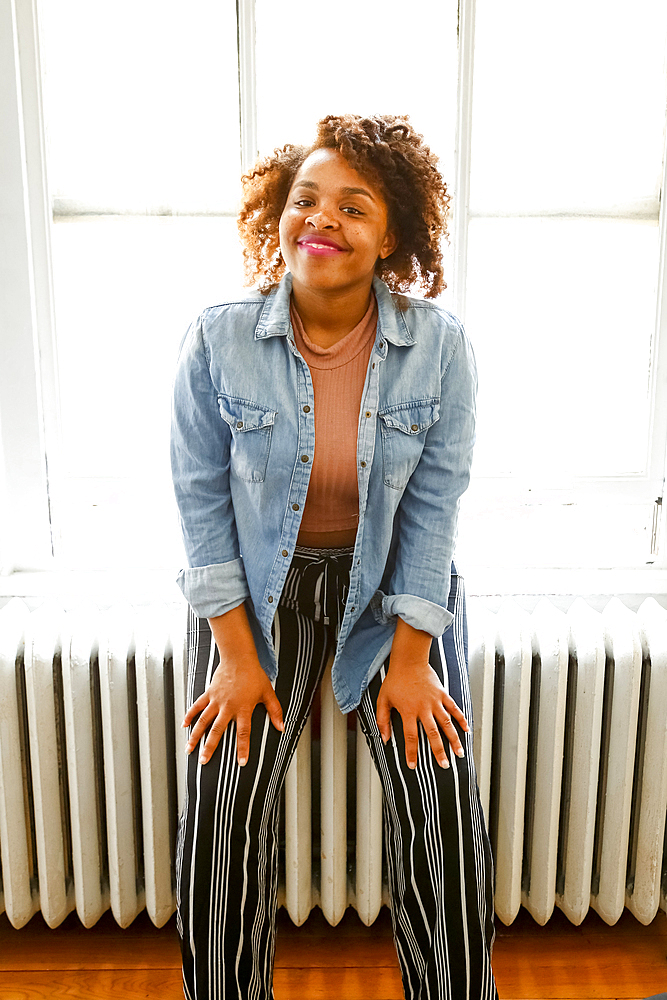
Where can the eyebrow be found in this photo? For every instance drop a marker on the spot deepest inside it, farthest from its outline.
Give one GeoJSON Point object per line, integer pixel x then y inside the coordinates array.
{"type": "Point", "coordinates": [345, 190]}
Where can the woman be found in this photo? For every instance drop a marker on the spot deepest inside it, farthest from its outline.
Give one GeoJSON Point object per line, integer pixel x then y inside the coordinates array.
{"type": "Point", "coordinates": [322, 436]}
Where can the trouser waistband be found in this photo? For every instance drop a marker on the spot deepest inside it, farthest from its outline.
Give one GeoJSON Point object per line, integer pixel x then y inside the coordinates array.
{"type": "Point", "coordinates": [318, 583]}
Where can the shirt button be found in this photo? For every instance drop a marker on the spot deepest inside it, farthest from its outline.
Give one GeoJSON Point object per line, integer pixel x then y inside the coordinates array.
{"type": "Point", "coordinates": [353, 609]}
{"type": "Point", "coordinates": [304, 458]}
{"type": "Point", "coordinates": [306, 409]}
{"type": "Point", "coordinates": [363, 465]}
{"type": "Point", "coordinates": [368, 413]}
{"type": "Point", "coordinates": [415, 427]}
{"type": "Point", "coordinates": [285, 552]}
{"type": "Point", "coordinates": [381, 345]}
{"type": "Point", "coordinates": [373, 365]}
{"type": "Point", "coordinates": [270, 600]}
{"type": "Point", "coordinates": [295, 506]}
{"type": "Point", "coordinates": [239, 424]}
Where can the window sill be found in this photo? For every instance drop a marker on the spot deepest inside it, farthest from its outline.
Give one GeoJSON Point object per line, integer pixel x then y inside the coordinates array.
{"type": "Point", "coordinates": [561, 586]}
{"type": "Point", "coordinates": [141, 587]}
{"type": "Point", "coordinates": [104, 587]}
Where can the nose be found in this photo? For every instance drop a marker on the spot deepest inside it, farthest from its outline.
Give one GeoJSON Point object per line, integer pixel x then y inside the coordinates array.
{"type": "Point", "coordinates": [322, 220]}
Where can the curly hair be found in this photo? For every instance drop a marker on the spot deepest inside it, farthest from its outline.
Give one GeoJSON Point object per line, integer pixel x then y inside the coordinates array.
{"type": "Point", "coordinates": [385, 149]}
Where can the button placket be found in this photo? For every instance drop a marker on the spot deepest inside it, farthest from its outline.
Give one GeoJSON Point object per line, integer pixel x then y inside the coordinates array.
{"type": "Point", "coordinates": [304, 450]}
{"type": "Point", "coordinates": [365, 452]}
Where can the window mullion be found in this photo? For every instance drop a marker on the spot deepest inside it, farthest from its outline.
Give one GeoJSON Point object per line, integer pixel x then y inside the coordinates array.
{"type": "Point", "coordinates": [657, 454]}
{"type": "Point", "coordinates": [28, 385]}
{"type": "Point", "coordinates": [463, 152]}
{"type": "Point", "coordinates": [245, 14]}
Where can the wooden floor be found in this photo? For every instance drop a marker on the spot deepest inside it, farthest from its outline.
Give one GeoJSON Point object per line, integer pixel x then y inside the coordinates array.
{"type": "Point", "coordinates": [349, 962]}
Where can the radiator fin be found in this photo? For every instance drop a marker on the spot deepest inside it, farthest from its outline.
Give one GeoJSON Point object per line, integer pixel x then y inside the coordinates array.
{"type": "Point", "coordinates": [570, 747]}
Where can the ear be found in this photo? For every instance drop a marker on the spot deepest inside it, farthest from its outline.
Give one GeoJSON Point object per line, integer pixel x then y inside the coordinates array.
{"type": "Point", "coordinates": [389, 245]}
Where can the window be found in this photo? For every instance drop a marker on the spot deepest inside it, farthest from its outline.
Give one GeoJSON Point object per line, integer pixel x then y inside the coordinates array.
{"type": "Point", "coordinates": [561, 283]}
{"type": "Point", "coordinates": [557, 230]}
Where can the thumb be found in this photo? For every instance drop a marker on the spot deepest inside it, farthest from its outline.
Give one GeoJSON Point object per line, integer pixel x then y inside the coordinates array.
{"type": "Point", "coordinates": [273, 707]}
{"type": "Point", "coordinates": [383, 717]}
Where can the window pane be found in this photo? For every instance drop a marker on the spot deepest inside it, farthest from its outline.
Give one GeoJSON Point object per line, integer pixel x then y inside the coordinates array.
{"type": "Point", "coordinates": [141, 104]}
{"type": "Point", "coordinates": [126, 290]}
{"type": "Point", "coordinates": [363, 58]}
{"type": "Point", "coordinates": [561, 315]}
{"type": "Point", "coordinates": [608, 534]}
{"type": "Point", "coordinates": [569, 105]}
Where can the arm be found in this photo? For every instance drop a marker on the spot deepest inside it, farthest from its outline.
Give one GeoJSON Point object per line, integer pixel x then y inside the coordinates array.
{"type": "Point", "coordinates": [214, 582]}
{"type": "Point", "coordinates": [426, 520]}
{"type": "Point", "coordinates": [419, 586]}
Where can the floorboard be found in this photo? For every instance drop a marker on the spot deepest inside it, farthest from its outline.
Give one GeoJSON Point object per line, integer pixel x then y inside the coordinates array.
{"type": "Point", "coordinates": [348, 962]}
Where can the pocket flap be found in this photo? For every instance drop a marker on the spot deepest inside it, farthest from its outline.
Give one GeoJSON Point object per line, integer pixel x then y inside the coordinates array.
{"type": "Point", "coordinates": [411, 418]}
{"type": "Point", "coordinates": [244, 416]}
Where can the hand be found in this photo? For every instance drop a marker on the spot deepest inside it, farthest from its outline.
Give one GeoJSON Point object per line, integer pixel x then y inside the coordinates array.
{"type": "Point", "coordinates": [237, 686]}
{"type": "Point", "coordinates": [414, 690]}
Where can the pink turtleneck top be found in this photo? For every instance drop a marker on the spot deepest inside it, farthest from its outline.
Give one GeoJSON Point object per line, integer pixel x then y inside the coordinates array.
{"type": "Point", "coordinates": [338, 373]}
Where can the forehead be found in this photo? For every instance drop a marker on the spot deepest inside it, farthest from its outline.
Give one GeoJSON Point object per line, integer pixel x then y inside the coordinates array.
{"type": "Point", "coordinates": [328, 167]}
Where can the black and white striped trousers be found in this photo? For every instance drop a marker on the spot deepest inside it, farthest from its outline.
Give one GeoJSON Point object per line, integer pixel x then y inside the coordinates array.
{"type": "Point", "coordinates": [439, 862]}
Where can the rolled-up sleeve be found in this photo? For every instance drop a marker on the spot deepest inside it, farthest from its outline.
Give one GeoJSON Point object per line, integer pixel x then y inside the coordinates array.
{"type": "Point", "coordinates": [214, 581]}
{"type": "Point", "coordinates": [427, 516]}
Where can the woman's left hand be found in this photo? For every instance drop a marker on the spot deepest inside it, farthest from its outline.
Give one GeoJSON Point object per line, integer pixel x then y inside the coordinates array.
{"type": "Point", "coordinates": [414, 690]}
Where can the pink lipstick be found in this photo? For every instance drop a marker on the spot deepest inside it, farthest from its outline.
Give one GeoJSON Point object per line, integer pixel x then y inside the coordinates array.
{"type": "Point", "coordinates": [320, 246]}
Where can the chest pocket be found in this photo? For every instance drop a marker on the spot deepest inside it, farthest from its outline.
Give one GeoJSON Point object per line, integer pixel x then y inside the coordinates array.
{"type": "Point", "coordinates": [403, 434]}
{"type": "Point", "coordinates": [251, 427]}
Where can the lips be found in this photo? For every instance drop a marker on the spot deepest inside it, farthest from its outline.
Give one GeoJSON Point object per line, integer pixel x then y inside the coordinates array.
{"type": "Point", "coordinates": [322, 245]}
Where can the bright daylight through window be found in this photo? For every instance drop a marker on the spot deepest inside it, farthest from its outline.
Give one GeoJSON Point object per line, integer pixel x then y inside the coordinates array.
{"type": "Point", "coordinates": [559, 279]}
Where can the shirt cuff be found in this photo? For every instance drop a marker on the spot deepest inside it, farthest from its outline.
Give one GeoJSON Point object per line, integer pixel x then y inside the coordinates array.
{"type": "Point", "coordinates": [213, 590]}
{"type": "Point", "coordinates": [416, 611]}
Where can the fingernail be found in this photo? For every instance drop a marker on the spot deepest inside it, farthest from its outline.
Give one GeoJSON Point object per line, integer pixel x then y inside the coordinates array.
{"type": "Point", "coordinates": [411, 765]}
{"type": "Point", "coordinates": [202, 758]}
{"type": "Point", "coordinates": [445, 763]}
{"type": "Point", "coordinates": [460, 752]}
{"type": "Point", "coordinates": [242, 761]}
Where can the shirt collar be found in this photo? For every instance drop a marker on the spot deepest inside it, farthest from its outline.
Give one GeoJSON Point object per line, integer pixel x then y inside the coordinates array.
{"type": "Point", "coordinates": [274, 320]}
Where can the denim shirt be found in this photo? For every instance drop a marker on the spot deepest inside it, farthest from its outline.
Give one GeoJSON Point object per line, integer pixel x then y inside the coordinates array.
{"type": "Point", "coordinates": [243, 437]}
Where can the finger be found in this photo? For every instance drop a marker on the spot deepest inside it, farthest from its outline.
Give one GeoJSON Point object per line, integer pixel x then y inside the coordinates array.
{"type": "Point", "coordinates": [435, 740]}
{"type": "Point", "coordinates": [242, 739]}
{"type": "Point", "coordinates": [274, 709]}
{"type": "Point", "coordinates": [383, 718]}
{"type": "Point", "coordinates": [200, 727]}
{"type": "Point", "coordinates": [214, 735]}
{"type": "Point", "coordinates": [411, 737]}
{"type": "Point", "coordinates": [449, 729]}
{"type": "Point", "coordinates": [454, 710]}
{"type": "Point", "coordinates": [198, 706]}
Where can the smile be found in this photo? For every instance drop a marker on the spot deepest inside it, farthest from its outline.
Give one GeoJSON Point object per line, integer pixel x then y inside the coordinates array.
{"type": "Point", "coordinates": [320, 246]}
{"type": "Point", "coordinates": [321, 249]}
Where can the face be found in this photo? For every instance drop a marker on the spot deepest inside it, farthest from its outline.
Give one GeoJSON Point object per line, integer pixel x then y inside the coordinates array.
{"type": "Point", "coordinates": [334, 226]}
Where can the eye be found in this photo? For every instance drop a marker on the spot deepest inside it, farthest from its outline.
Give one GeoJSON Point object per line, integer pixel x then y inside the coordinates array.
{"type": "Point", "coordinates": [351, 210]}
{"type": "Point", "coordinates": [303, 202]}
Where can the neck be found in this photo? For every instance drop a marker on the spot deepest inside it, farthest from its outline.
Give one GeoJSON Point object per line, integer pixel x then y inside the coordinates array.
{"type": "Point", "coordinates": [327, 317]}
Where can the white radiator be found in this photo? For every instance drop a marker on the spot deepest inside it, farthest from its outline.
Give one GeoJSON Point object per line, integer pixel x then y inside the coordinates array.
{"type": "Point", "coordinates": [570, 745]}
{"type": "Point", "coordinates": [571, 751]}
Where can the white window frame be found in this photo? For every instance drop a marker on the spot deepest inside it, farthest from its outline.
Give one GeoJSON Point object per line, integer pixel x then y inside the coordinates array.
{"type": "Point", "coordinates": [29, 405]}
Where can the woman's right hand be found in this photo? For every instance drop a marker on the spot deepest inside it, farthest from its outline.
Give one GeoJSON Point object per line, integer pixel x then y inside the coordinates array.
{"type": "Point", "coordinates": [238, 685]}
